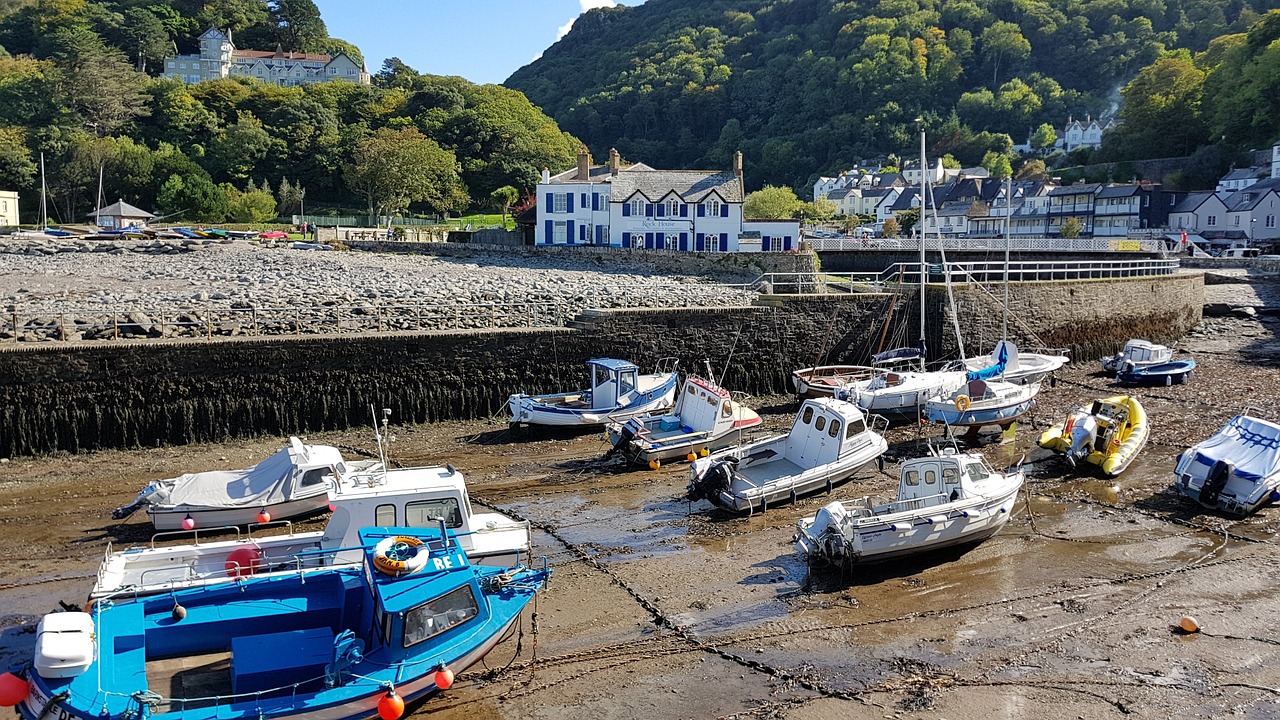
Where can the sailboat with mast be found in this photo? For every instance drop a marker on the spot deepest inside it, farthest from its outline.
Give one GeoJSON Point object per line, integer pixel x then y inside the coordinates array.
{"type": "Point", "coordinates": [44, 232]}
{"type": "Point", "coordinates": [905, 392]}
{"type": "Point", "coordinates": [1020, 367]}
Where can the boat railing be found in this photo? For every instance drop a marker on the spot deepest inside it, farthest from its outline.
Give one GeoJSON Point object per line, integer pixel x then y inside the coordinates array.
{"type": "Point", "coordinates": [666, 365]}
{"type": "Point", "coordinates": [918, 503]}
{"type": "Point", "coordinates": [299, 563]}
{"type": "Point", "coordinates": [878, 423]}
{"type": "Point", "coordinates": [221, 529]}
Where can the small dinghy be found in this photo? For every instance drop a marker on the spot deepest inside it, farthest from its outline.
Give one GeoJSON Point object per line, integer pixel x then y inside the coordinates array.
{"type": "Point", "coordinates": [1139, 352]}
{"type": "Point", "coordinates": [1237, 470]}
{"type": "Point", "coordinates": [829, 440]}
{"type": "Point", "coordinates": [411, 497]}
{"type": "Point", "coordinates": [292, 483]}
{"type": "Point", "coordinates": [983, 402]}
{"type": "Point", "coordinates": [1109, 433]}
{"type": "Point", "coordinates": [327, 642]}
{"type": "Point", "coordinates": [1165, 373]}
{"type": "Point", "coordinates": [827, 380]}
{"type": "Point", "coordinates": [618, 391]}
{"type": "Point", "coordinates": [944, 500]}
{"type": "Point", "coordinates": [706, 418]}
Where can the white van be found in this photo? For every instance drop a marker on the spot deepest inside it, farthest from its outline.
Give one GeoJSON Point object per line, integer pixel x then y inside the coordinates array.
{"type": "Point", "coordinates": [1239, 253]}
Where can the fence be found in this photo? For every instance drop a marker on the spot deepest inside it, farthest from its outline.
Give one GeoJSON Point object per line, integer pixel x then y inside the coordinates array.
{"type": "Point", "coordinates": [1023, 244]}
{"type": "Point", "coordinates": [210, 322]}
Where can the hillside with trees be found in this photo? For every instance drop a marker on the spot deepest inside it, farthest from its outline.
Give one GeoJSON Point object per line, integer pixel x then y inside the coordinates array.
{"type": "Point", "coordinates": [807, 87]}
{"type": "Point", "coordinates": [78, 83]}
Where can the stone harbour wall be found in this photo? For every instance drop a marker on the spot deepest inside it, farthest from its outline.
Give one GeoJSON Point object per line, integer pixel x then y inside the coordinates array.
{"type": "Point", "coordinates": [89, 396]}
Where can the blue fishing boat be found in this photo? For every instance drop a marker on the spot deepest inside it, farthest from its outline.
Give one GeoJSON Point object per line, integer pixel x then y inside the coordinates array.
{"type": "Point", "coordinates": [618, 392]}
{"type": "Point", "coordinates": [1166, 373]}
{"type": "Point", "coordinates": [324, 643]}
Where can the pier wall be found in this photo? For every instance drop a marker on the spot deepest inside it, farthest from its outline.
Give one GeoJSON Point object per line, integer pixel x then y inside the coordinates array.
{"type": "Point", "coordinates": [79, 397]}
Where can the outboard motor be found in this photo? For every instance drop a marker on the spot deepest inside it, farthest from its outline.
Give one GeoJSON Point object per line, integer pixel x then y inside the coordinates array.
{"type": "Point", "coordinates": [1214, 482]}
{"type": "Point", "coordinates": [1083, 431]}
{"type": "Point", "coordinates": [714, 481]}
{"type": "Point", "coordinates": [624, 439]}
{"type": "Point", "coordinates": [155, 493]}
{"type": "Point", "coordinates": [827, 528]}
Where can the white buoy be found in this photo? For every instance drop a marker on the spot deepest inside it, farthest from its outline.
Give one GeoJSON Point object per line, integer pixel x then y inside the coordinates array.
{"type": "Point", "coordinates": [1189, 624]}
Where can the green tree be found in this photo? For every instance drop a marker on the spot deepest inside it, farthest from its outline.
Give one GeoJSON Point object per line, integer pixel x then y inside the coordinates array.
{"type": "Point", "coordinates": [194, 198]}
{"type": "Point", "coordinates": [298, 25]}
{"type": "Point", "coordinates": [394, 168]}
{"type": "Point", "coordinates": [1161, 109]}
{"type": "Point", "coordinates": [17, 167]}
{"type": "Point", "coordinates": [1003, 42]}
{"type": "Point", "coordinates": [503, 198]}
{"type": "Point", "coordinates": [1032, 170]}
{"type": "Point", "coordinates": [907, 220]}
{"type": "Point", "coordinates": [820, 210]}
{"type": "Point", "coordinates": [1044, 138]}
{"type": "Point", "coordinates": [145, 37]}
{"type": "Point", "coordinates": [249, 206]}
{"type": "Point", "coordinates": [997, 164]}
{"type": "Point", "coordinates": [771, 202]}
{"type": "Point", "coordinates": [1071, 228]}
{"type": "Point", "coordinates": [236, 151]}
{"type": "Point", "coordinates": [97, 81]}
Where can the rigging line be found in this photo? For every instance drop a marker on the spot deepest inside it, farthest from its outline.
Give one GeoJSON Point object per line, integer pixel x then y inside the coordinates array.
{"type": "Point", "coordinates": [893, 301]}
{"type": "Point", "coordinates": [729, 360]}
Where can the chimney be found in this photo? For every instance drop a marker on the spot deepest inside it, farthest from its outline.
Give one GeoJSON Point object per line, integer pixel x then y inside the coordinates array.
{"type": "Point", "coordinates": [546, 175]}
{"type": "Point", "coordinates": [584, 164]}
{"type": "Point", "coordinates": [614, 161]}
{"type": "Point", "coordinates": [737, 164]}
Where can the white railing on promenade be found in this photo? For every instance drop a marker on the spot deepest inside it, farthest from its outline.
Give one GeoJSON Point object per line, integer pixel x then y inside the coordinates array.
{"type": "Point", "coordinates": [1017, 244]}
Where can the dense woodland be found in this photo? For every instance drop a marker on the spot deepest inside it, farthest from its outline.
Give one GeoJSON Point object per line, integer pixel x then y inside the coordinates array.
{"type": "Point", "coordinates": [803, 87]}
{"type": "Point", "coordinates": [77, 83]}
{"type": "Point", "coordinates": [808, 87]}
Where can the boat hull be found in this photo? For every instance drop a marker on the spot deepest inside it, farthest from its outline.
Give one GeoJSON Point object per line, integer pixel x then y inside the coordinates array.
{"type": "Point", "coordinates": [978, 415]}
{"type": "Point", "coordinates": [1169, 373]}
{"type": "Point", "coordinates": [171, 518]}
{"type": "Point", "coordinates": [1115, 458]}
{"type": "Point", "coordinates": [826, 380]}
{"type": "Point", "coordinates": [748, 493]}
{"type": "Point", "coordinates": [544, 410]}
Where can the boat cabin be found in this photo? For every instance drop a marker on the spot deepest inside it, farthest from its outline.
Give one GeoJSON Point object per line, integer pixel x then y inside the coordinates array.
{"type": "Point", "coordinates": [823, 431]}
{"type": "Point", "coordinates": [703, 405]}
{"type": "Point", "coordinates": [611, 381]}
{"type": "Point", "coordinates": [943, 475]}
{"type": "Point", "coordinates": [1142, 351]}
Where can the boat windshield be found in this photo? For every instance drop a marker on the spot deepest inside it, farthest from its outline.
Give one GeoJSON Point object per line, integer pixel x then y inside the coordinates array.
{"type": "Point", "coordinates": [426, 513]}
{"type": "Point", "coordinates": [436, 616]}
{"type": "Point", "coordinates": [315, 476]}
{"type": "Point", "coordinates": [977, 472]}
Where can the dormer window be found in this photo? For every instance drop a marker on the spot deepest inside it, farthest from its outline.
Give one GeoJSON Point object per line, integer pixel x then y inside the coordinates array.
{"type": "Point", "coordinates": [713, 207]}
{"type": "Point", "coordinates": [637, 207]}
{"type": "Point", "coordinates": [673, 207]}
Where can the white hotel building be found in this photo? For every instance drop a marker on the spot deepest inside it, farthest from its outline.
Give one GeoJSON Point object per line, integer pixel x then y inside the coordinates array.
{"type": "Point", "coordinates": [640, 207]}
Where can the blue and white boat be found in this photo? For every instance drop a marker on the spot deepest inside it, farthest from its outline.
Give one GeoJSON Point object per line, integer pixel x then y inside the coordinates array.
{"type": "Point", "coordinates": [618, 391]}
{"type": "Point", "coordinates": [983, 401]}
{"type": "Point", "coordinates": [1236, 470]}
{"type": "Point", "coordinates": [331, 643]}
{"type": "Point", "coordinates": [1165, 373]}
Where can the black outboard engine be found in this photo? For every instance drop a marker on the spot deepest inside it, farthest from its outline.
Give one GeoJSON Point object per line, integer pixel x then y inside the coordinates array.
{"type": "Point", "coordinates": [714, 481]}
{"type": "Point", "coordinates": [1217, 479]}
{"type": "Point", "coordinates": [624, 439]}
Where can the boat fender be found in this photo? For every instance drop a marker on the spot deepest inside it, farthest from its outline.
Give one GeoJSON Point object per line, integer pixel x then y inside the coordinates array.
{"type": "Point", "coordinates": [399, 555]}
{"type": "Point", "coordinates": [793, 496]}
{"type": "Point", "coordinates": [963, 403]}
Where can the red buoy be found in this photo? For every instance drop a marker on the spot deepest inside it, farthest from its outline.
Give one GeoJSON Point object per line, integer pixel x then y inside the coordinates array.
{"type": "Point", "coordinates": [444, 678]}
{"type": "Point", "coordinates": [13, 690]}
{"type": "Point", "coordinates": [242, 561]}
{"type": "Point", "coordinates": [390, 706]}
{"type": "Point", "coordinates": [188, 522]}
{"type": "Point", "coordinates": [264, 517]}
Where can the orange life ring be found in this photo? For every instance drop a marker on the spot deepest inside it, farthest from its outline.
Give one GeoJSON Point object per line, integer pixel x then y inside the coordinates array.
{"type": "Point", "coordinates": [963, 403]}
{"type": "Point", "coordinates": [392, 556]}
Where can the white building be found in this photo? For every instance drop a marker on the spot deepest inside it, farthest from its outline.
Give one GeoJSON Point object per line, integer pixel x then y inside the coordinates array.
{"type": "Point", "coordinates": [8, 208]}
{"type": "Point", "coordinates": [640, 207]}
{"type": "Point", "coordinates": [1275, 160]}
{"type": "Point", "coordinates": [219, 58]}
{"type": "Point", "coordinates": [1199, 212]}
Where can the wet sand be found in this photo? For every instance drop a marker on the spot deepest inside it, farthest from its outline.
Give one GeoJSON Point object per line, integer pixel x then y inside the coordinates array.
{"type": "Point", "coordinates": [663, 609]}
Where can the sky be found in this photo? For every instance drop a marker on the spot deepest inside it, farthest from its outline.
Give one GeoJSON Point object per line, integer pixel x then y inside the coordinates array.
{"type": "Point", "coordinates": [484, 41]}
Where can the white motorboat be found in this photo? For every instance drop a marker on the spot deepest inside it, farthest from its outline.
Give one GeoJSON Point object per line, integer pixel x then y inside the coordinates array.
{"type": "Point", "coordinates": [1139, 353]}
{"type": "Point", "coordinates": [903, 392]}
{"type": "Point", "coordinates": [1020, 366]}
{"type": "Point", "coordinates": [618, 391]}
{"type": "Point", "coordinates": [419, 497]}
{"type": "Point", "coordinates": [983, 402]}
{"type": "Point", "coordinates": [706, 418]}
{"type": "Point", "coordinates": [1236, 470]}
{"type": "Point", "coordinates": [944, 500]}
{"type": "Point", "coordinates": [291, 483]}
{"type": "Point", "coordinates": [829, 440]}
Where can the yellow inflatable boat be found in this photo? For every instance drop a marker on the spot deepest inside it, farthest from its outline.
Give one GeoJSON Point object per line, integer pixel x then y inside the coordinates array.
{"type": "Point", "coordinates": [1109, 434]}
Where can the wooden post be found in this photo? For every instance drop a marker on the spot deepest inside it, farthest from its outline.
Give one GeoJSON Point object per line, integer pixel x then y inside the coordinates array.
{"type": "Point", "coordinates": [62, 326]}
{"type": "Point", "coordinates": [297, 322]}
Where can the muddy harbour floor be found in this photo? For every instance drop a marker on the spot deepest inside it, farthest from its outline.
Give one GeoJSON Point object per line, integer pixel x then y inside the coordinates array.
{"type": "Point", "coordinates": [663, 609]}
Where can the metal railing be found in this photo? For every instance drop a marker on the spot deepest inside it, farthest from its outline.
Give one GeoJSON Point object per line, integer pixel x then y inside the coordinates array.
{"type": "Point", "coordinates": [1016, 244]}
{"type": "Point", "coordinates": [92, 324]}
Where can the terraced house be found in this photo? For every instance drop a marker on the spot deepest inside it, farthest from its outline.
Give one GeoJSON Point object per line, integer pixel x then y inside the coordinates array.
{"type": "Point", "coordinates": [637, 206]}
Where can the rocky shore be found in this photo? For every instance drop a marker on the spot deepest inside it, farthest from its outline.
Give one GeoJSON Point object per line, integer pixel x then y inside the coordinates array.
{"type": "Point", "coordinates": [71, 289]}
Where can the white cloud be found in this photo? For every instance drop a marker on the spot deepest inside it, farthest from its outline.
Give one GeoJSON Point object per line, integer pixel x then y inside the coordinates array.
{"type": "Point", "coordinates": [586, 5]}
